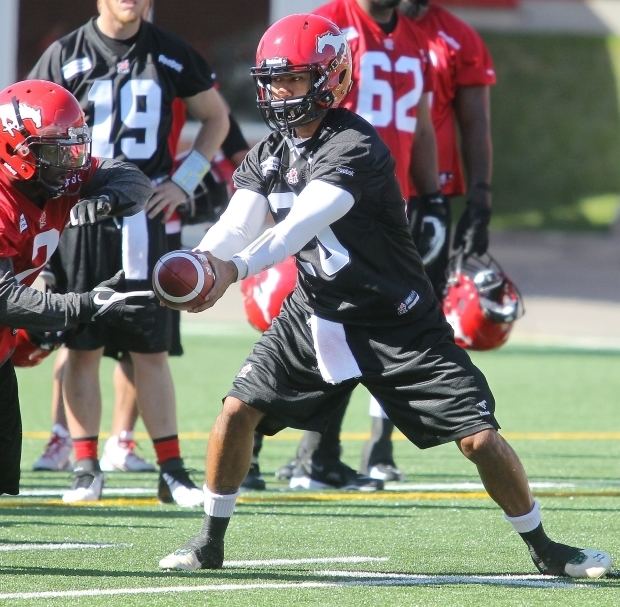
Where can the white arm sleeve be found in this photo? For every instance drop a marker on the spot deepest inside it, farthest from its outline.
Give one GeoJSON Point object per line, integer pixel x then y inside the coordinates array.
{"type": "Point", "coordinates": [318, 206]}
{"type": "Point", "coordinates": [242, 221]}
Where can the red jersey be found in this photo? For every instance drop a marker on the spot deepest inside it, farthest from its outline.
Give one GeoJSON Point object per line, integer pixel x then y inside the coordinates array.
{"type": "Point", "coordinates": [460, 58]}
{"type": "Point", "coordinates": [390, 74]}
{"type": "Point", "coordinates": [28, 236]}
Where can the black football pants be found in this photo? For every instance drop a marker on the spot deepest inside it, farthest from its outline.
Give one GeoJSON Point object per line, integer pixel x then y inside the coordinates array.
{"type": "Point", "coordinates": [10, 431]}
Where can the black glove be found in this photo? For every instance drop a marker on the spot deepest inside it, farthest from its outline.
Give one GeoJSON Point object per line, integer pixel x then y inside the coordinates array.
{"type": "Point", "coordinates": [207, 203]}
{"type": "Point", "coordinates": [89, 211]}
{"type": "Point", "coordinates": [472, 229]}
{"type": "Point", "coordinates": [430, 219]}
{"type": "Point", "coordinates": [47, 340]}
{"type": "Point", "coordinates": [108, 300]}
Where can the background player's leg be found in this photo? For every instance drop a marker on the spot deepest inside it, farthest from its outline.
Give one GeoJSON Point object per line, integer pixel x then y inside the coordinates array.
{"type": "Point", "coordinates": [57, 453]}
{"type": "Point", "coordinates": [157, 404]}
{"type": "Point", "coordinates": [119, 452]}
{"type": "Point", "coordinates": [82, 396]}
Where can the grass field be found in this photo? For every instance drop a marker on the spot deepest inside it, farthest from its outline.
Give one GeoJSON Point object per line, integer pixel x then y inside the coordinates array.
{"type": "Point", "coordinates": [434, 540]}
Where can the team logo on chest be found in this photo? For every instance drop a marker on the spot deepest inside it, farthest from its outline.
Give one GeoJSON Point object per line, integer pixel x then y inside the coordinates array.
{"type": "Point", "coordinates": [123, 67]}
{"type": "Point", "coordinates": [42, 220]}
{"type": "Point", "coordinates": [23, 224]}
{"type": "Point", "coordinates": [292, 176]}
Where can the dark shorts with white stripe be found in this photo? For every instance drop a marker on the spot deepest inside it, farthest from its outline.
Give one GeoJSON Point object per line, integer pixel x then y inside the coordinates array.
{"type": "Point", "coordinates": [427, 385]}
{"type": "Point", "coordinates": [91, 254]}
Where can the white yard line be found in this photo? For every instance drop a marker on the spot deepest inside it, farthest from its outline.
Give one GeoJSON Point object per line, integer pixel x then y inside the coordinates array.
{"type": "Point", "coordinates": [406, 579]}
{"type": "Point", "coordinates": [334, 559]}
{"type": "Point", "coordinates": [447, 486]}
{"type": "Point", "coordinates": [59, 546]}
{"type": "Point", "coordinates": [472, 486]}
{"type": "Point", "coordinates": [350, 578]}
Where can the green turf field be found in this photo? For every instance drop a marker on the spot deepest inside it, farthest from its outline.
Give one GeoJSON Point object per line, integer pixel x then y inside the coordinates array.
{"type": "Point", "coordinates": [434, 540]}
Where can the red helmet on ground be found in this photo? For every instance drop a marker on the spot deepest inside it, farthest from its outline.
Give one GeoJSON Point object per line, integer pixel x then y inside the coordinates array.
{"type": "Point", "coordinates": [43, 135]}
{"type": "Point", "coordinates": [297, 44]}
{"type": "Point", "coordinates": [264, 293]}
{"type": "Point", "coordinates": [30, 350]}
{"type": "Point", "coordinates": [481, 303]}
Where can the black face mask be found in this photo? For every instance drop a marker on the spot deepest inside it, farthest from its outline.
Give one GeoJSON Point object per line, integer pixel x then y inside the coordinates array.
{"type": "Point", "coordinates": [379, 4]}
{"type": "Point", "coordinates": [54, 180]}
{"type": "Point", "coordinates": [412, 8]}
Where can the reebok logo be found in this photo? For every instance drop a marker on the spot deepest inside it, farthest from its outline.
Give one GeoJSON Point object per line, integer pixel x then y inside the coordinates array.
{"type": "Point", "coordinates": [167, 61]}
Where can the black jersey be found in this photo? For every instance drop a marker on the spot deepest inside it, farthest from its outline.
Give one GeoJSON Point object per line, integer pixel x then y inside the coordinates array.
{"type": "Point", "coordinates": [363, 268]}
{"type": "Point", "coordinates": [127, 99]}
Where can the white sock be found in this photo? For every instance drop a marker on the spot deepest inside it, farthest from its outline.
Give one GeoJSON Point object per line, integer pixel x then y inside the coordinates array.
{"type": "Point", "coordinates": [217, 505]}
{"type": "Point", "coordinates": [526, 522]}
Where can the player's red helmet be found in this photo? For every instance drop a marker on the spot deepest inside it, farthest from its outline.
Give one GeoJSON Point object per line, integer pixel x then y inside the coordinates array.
{"type": "Point", "coordinates": [30, 351]}
{"type": "Point", "coordinates": [296, 44]}
{"type": "Point", "coordinates": [481, 303]}
{"type": "Point", "coordinates": [264, 293]}
{"type": "Point", "coordinates": [43, 135]}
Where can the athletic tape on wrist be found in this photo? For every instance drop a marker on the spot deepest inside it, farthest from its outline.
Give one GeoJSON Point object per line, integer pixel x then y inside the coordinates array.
{"type": "Point", "coordinates": [242, 267]}
{"type": "Point", "coordinates": [191, 172]}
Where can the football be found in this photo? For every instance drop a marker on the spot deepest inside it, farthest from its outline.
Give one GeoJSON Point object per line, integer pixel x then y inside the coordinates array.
{"type": "Point", "coordinates": [182, 279]}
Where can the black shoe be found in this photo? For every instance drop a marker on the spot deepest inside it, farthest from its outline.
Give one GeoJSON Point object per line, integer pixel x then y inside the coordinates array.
{"type": "Point", "coordinates": [284, 473]}
{"type": "Point", "coordinates": [386, 472]}
{"type": "Point", "coordinates": [336, 475]}
{"type": "Point", "coordinates": [176, 487]}
{"type": "Point", "coordinates": [254, 481]}
{"type": "Point", "coordinates": [562, 560]}
{"type": "Point", "coordinates": [195, 554]}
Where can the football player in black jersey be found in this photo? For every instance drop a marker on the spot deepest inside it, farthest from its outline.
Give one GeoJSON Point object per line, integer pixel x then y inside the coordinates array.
{"type": "Point", "coordinates": [363, 311]}
{"type": "Point", "coordinates": [126, 72]}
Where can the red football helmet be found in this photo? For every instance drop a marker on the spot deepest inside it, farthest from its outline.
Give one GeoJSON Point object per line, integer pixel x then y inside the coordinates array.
{"type": "Point", "coordinates": [30, 350]}
{"type": "Point", "coordinates": [481, 302]}
{"type": "Point", "coordinates": [264, 293]}
{"type": "Point", "coordinates": [43, 135]}
{"type": "Point", "coordinates": [296, 44]}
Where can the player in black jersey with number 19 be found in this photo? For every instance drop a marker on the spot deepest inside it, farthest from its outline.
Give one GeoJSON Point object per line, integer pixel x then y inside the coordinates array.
{"type": "Point", "coordinates": [126, 73]}
{"type": "Point", "coordinates": [363, 310]}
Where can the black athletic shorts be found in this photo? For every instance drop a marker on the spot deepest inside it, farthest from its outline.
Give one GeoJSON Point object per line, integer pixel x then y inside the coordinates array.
{"type": "Point", "coordinates": [426, 384]}
{"type": "Point", "coordinates": [91, 254]}
{"type": "Point", "coordinates": [10, 431]}
{"type": "Point", "coordinates": [176, 348]}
